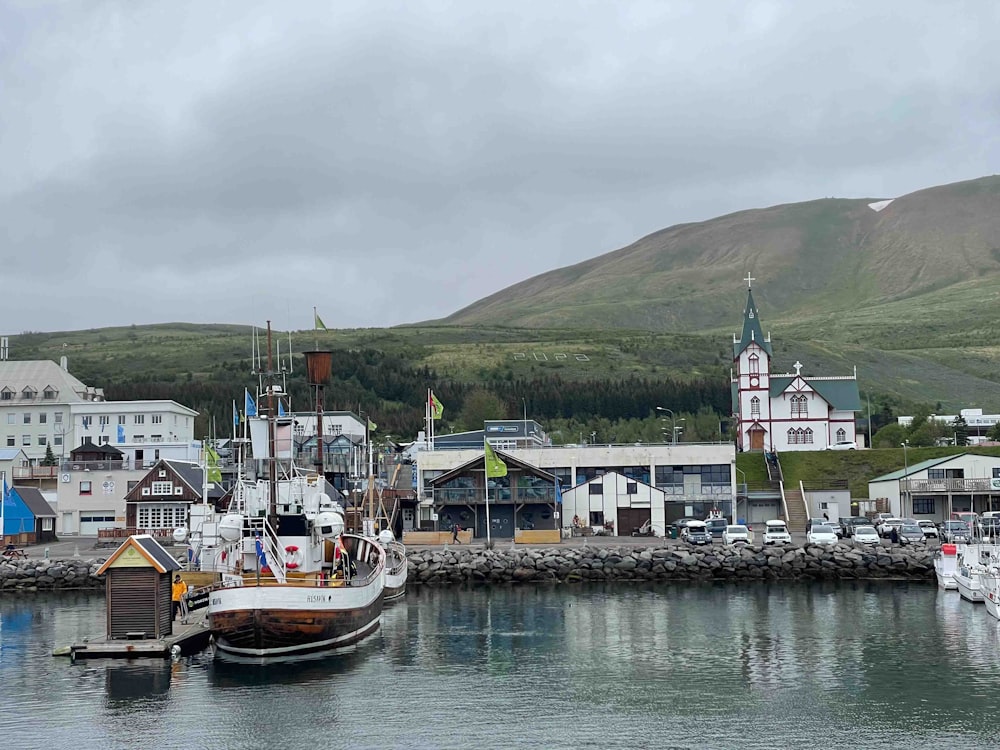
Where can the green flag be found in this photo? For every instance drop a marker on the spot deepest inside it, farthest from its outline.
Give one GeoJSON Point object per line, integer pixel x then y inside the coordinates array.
{"type": "Point", "coordinates": [372, 426]}
{"type": "Point", "coordinates": [494, 466]}
{"type": "Point", "coordinates": [320, 325]}
{"type": "Point", "coordinates": [212, 465]}
{"type": "Point", "coordinates": [437, 408]}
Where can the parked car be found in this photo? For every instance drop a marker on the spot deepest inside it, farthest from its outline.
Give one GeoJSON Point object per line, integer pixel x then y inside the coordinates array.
{"type": "Point", "coordinates": [885, 528]}
{"type": "Point", "coordinates": [878, 518]}
{"type": "Point", "coordinates": [989, 528]}
{"type": "Point", "coordinates": [734, 533]}
{"type": "Point", "coordinates": [775, 532]}
{"type": "Point", "coordinates": [930, 528]}
{"type": "Point", "coordinates": [697, 533]}
{"type": "Point", "coordinates": [866, 535]}
{"type": "Point", "coordinates": [956, 532]}
{"type": "Point", "coordinates": [716, 526]}
{"type": "Point", "coordinates": [681, 525]}
{"type": "Point", "coordinates": [911, 533]}
{"type": "Point", "coordinates": [821, 535]}
{"type": "Point", "coordinates": [842, 445]}
{"type": "Point", "coordinates": [835, 527]}
{"type": "Point", "coordinates": [853, 522]}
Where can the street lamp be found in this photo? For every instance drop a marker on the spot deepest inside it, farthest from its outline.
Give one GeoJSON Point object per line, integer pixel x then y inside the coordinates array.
{"type": "Point", "coordinates": [673, 423]}
{"type": "Point", "coordinates": [906, 472]}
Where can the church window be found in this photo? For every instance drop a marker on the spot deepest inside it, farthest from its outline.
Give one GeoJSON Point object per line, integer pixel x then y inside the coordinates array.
{"type": "Point", "coordinates": [792, 436]}
{"type": "Point", "coordinates": [800, 406]}
{"type": "Point", "coordinates": [755, 407]}
{"type": "Point", "coordinates": [841, 435]}
{"type": "Point", "coordinates": [754, 361]}
{"type": "Point", "coordinates": [807, 436]}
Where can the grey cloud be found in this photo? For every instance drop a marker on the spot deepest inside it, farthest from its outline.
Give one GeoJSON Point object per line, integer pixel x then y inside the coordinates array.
{"type": "Point", "coordinates": [416, 157]}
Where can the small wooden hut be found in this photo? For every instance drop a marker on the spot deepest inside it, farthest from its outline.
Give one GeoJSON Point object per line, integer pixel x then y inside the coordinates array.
{"type": "Point", "coordinates": [139, 574]}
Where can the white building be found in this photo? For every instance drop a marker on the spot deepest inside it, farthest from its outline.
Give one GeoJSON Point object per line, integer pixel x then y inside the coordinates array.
{"type": "Point", "coordinates": [788, 411]}
{"type": "Point", "coordinates": [936, 488]}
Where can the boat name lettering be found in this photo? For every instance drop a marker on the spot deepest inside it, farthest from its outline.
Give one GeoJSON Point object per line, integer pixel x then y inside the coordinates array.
{"type": "Point", "coordinates": [315, 598]}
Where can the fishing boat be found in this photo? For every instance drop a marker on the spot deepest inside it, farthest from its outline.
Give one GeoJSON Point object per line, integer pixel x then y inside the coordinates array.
{"type": "Point", "coordinates": [292, 579]}
{"type": "Point", "coordinates": [945, 565]}
{"type": "Point", "coordinates": [989, 583]}
{"type": "Point", "coordinates": [973, 560]}
{"type": "Point", "coordinates": [395, 567]}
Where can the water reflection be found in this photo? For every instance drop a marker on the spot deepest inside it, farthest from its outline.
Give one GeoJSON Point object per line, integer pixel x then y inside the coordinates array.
{"type": "Point", "coordinates": [763, 665]}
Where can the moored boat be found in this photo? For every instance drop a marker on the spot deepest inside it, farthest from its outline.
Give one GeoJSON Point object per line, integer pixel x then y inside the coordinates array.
{"type": "Point", "coordinates": [945, 565]}
{"type": "Point", "coordinates": [973, 560]}
{"type": "Point", "coordinates": [395, 567]}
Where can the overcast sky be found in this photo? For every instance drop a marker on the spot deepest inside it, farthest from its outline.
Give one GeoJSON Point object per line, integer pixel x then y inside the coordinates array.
{"type": "Point", "coordinates": [389, 163]}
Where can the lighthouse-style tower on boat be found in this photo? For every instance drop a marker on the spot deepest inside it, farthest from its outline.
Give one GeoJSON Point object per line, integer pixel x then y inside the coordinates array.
{"type": "Point", "coordinates": [790, 411]}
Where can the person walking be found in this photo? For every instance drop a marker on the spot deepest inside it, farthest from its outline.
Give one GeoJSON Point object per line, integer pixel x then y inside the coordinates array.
{"type": "Point", "coordinates": [894, 535]}
{"type": "Point", "coordinates": [177, 593]}
{"type": "Point", "coordinates": [454, 533]}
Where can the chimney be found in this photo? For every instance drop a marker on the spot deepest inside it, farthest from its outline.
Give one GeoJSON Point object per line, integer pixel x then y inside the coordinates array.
{"type": "Point", "coordinates": [3, 348]}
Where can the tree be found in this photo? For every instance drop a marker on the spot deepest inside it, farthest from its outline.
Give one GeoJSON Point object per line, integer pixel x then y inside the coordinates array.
{"type": "Point", "coordinates": [479, 406]}
{"type": "Point", "coordinates": [889, 436]}
{"type": "Point", "coordinates": [50, 458]}
{"type": "Point", "coordinates": [960, 428]}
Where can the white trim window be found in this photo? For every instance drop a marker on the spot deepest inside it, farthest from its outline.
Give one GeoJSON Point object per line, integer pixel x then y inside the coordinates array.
{"type": "Point", "coordinates": [162, 488]}
{"type": "Point", "coordinates": [755, 407]}
{"type": "Point", "coordinates": [160, 516]}
{"type": "Point", "coordinates": [841, 435]}
{"type": "Point", "coordinates": [800, 406]}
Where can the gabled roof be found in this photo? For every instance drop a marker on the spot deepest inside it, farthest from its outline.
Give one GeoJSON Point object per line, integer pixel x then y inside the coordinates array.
{"type": "Point", "coordinates": [601, 477]}
{"type": "Point", "coordinates": [841, 393]}
{"type": "Point", "coordinates": [40, 373]}
{"type": "Point", "coordinates": [35, 502]}
{"type": "Point", "coordinates": [752, 332]}
{"type": "Point", "coordinates": [480, 463]}
{"type": "Point", "coordinates": [89, 446]}
{"type": "Point", "coordinates": [9, 454]}
{"type": "Point", "coordinates": [148, 548]}
{"type": "Point", "coordinates": [192, 475]}
{"type": "Point", "coordinates": [915, 468]}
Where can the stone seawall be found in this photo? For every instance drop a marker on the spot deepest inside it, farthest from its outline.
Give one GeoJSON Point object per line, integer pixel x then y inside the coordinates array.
{"type": "Point", "coordinates": [789, 563]}
{"type": "Point", "coordinates": [50, 575]}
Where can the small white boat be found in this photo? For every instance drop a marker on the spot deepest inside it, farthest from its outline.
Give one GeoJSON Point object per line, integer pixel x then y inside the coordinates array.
{"type": "Point", "coordinates": [973, 559]}
{"type": "Point", "coordinates": [945, 565]}
{"type": "Point", "coordinates": [989, 583]}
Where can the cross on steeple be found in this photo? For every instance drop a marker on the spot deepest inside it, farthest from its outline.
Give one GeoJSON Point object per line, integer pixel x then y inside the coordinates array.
{"type": "Point", "coordinates": [749, 279]}
{"type": "Point", "coordinates": [797, 366]}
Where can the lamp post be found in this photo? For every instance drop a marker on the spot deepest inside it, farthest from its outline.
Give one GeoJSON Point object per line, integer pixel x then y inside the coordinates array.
{"type": "Point", "coordinates": [906, 477]}
{"type": "Point", "coordinates": [673, 423]}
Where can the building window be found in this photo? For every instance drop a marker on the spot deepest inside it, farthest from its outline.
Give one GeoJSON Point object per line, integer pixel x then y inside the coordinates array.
{"type": "Point", "coordinates": [57, 440]}
{"type": "Point", "coordinates": [43, 418]}
{"type": "Point", "coordinates": [156, 419]}
{"type": "Point", "coordinates": [27, 418]}
{"type": "Point", "coordinates": [755, 407]}
{"type": "Point", "coordinates": [58, 417]}
{"type": "Point", "coordinates": [140, 419]}
{"type": "Point", "coordinates": [104, 420]}
{"type": "Point", "coordinates": [25, 439]}
{"type": "Point", "coordinates": [11, 419]}
{"type": "Point", "coordinates": [138, 438]}
{"type": "Point", "coordinates": [597, 518]}
{"type": "Point", "coordinates": [50, 394]}
{"type": "Point", "coordinates": [47, 524]}
{"type": "Point", "coordinates": [923, 506]}
{"type": "Point", "coordinates": [11, 441]}
{"type": "Point", "coordinates": [28, 394]}
{"type": "Point", "coordinates": [41, 440]}
{"type": "Point", "coordinates": [631, 488]}
{"type": "Point", "coordinates": [841, 435]}
{"type": "Point", "coordinates": [162, 488]}
{"type": "Point", "coordinates": [121, 419]}
{"type": "Point", "coordinates": [800, 406]}
{"type": "Point", "coordinates": [85, 488]}
{"type": "Point", "coordinates": [104, 440]}
{"type": "Point", "coordinates": [151, 516]}
{"type": "Point", "coordinates": [597, 489]}
{"type": "Point", "coordinates": [754, 364]}
{"type": "Point", "coordinates": [6, 394]}
{"type": "Point", "coordinates": [337, 430]}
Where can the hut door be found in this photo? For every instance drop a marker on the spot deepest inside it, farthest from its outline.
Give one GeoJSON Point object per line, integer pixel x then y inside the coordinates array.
{"type": "Point", "coordinates": [756, 440]}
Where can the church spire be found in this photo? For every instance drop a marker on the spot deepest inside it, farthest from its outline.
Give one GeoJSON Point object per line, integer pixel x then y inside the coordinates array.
{"type": "Point", "coordinates": [752, 332]}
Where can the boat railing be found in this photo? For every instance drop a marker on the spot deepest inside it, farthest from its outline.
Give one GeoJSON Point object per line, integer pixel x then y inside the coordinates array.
{"type": "Point", "coordinates": [400, 551]}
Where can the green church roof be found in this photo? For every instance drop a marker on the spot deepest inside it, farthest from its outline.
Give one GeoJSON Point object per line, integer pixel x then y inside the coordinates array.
{"type": "Point", "coordinates": [752, 332]}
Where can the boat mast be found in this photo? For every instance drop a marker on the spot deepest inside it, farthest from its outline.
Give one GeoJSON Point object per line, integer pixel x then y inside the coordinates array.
{"type": "Point", "coordinates": [319, 366]}
{"type": "Point", "coordinates": [272, 478]}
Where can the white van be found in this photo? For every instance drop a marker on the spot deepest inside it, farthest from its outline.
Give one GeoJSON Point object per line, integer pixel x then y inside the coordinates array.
{"type": "Point", "coordinates": [775, 532]}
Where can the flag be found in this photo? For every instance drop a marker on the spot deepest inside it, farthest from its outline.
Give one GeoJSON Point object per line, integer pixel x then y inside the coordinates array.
{"type": "Point", "coordinates": [236, 415]}
{"type": "Point", "coordinates": [437, 408]}
{"type": "Point", "coordinates": [372, 426]}
{"type": "Point", "coordinates": [320, 325]}
{"type": "Point", "coordinates": [250, 406]}
{"type": "Point", "coordinates": [86, 423]}
{"type": "Point", "coordinates": [212, 465]}
{"type": "Point", "coordinates": [103, 425]}
{"type": "Point", "coordinates": [121, 433]}
{"type": "Point", "coordinates": [261, 558]}
{"type": "Point", "coordinates": [494, 466]}
{"type": "Point", "coordinates": [281, 408]}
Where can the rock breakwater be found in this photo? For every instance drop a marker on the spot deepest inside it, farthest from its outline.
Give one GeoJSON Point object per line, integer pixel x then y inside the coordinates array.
{"type": "Point", "coordinates": [49, 575]}
{"type": "Point", "coordinates": [668, 563]}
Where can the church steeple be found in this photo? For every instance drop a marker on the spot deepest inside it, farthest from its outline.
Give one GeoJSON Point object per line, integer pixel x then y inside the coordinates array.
{"type": "Point", "coordinates": [752, 332]}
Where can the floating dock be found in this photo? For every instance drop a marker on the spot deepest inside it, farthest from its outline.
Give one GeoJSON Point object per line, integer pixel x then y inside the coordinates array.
{"type": "Point", "coordinates": [186, 639]}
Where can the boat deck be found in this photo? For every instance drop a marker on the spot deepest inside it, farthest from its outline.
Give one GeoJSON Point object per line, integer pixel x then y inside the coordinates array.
{"type": "Point", "coordinates": [189, 638]}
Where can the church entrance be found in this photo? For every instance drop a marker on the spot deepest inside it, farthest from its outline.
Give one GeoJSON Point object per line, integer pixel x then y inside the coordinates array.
{"type": "Point", "coordinates": [756, 440]}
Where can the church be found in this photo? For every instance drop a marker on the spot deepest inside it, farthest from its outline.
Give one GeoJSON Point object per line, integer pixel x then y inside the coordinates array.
{"type": "Point", "coordinates": [791, 411]}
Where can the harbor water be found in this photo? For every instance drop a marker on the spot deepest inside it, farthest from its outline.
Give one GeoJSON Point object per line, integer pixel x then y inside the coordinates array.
{"type": "Point", "coordinates": [838, 665]}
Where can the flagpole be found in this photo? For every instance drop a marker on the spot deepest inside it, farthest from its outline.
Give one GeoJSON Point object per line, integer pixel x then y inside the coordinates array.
{"type": "Point", "coordinates": [3, 509]}
{"type": "Point", "coordinates": [486, 476]}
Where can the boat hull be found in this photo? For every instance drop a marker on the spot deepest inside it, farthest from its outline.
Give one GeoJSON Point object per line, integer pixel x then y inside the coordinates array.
{"type": "Point", "coordinates": [968, 587]}
{"type": "Point", "coordinates": [944, 569]}
{"type": "Point", "coordinates": [396, 571]}
{"type": "Point", "coordinates": [282, 619]}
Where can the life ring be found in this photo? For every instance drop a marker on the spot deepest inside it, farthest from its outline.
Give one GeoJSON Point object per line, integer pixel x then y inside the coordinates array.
{"type": "Point", "coordinates": [293, 558]}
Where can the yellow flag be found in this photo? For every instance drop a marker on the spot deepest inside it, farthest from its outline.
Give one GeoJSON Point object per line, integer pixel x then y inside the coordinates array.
{"type": "Point", "coordinates": [494, 466]}
{"type": "Point", "coordinates": [212, 465]}
{"type": "Point", "coordinates": [437, 408]}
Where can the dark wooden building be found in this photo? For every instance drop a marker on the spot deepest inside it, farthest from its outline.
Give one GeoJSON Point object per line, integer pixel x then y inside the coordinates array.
{"type": "Point", "coordinates": [139, 574]}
